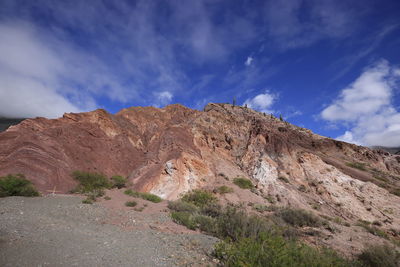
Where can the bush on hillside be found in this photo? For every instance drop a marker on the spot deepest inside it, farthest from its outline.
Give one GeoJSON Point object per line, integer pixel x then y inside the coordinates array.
{"type": "Point", "coordinates": [90, 182]}
{"type": "Point", "coordinates": [130, 203]}
{"type": "Point", "coordinates": [224, 189]}
{"type": "Point", "coordinates": [298, 217]}
{"type": "Point", "coordinates": [243, 183]}
{"type": "Point", "coordinates": [119, 181]}
{"type": "Point", "coordinates": [274, 251]}
{"type": "Point", "coordinates": [145, 196]}
{"type": "Point", "coordinates": [250, 240]}
{"type": "Point", "coordinates": [380, 255]}
{"type": "Point", "coordinates": [16, 185]}
{"type": "Point", "coordinates": [200, 198]}
{"type": "Point", "coordinates": [179, 205]}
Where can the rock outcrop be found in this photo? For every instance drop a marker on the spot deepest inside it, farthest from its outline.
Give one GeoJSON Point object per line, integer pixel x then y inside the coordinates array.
{"type": "Point", "coordinates": [175, 149]}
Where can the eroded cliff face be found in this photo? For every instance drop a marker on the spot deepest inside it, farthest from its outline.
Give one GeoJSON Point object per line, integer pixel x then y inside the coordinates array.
{"type": "Point", "coordinates": [172, 150]}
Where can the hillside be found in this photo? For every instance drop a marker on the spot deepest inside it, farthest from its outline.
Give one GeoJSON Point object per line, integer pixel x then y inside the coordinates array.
{"type": "Point", "coordinates": [173, 150]}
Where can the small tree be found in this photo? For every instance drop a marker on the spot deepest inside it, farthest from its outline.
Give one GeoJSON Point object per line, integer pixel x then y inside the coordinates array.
{"type": "Point", "coordinates": [280, 117]}
{"type": "Point", "coordinates": [234, 101]}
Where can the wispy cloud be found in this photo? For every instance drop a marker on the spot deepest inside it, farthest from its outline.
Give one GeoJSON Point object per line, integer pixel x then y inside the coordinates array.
{"type": "Point", "coordinates": [291, 27]}
{"type": "Point", "coordinates": [248, 61]}
{"type": "Point", "coordinates": [366, 108]}
{"type": "Point", "coordinates": [162, 98]}
{"type": "Point", "coordinates": [371, 42]}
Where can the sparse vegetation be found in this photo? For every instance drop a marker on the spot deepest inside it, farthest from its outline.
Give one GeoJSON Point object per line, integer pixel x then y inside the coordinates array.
{"type": "Point", "coordinates": [107, 198]}
{"type": "Point", "coordinates": [380, 255]}
{"type": "Point", "coordinates": [145, 196]}
{"type": "Point", "coordinates": [199, 198]}
{"type": "Point", "coordinates": [184, 218]}
{"type": "Point", "coordinates": [372, 229]}
{"type": "Point", "coordinates": [130, 203]}
{"type": "Point", "coordinates": [90, 182]}
{"type": "Point", "coordinates": [150, 197]}
{"type": "Point", "coordinates": [274, 251]}
{"type": "Point", "coordinates": [224, 189]}
{"type": "Point", "coordinates": [243, 183]}
{"type": "Point", "coordinates": [298, 217]}
{"type": "Point", "coordinates": [251, 240]}
{"type": "Point", "coordinates": [180, 205]}
{"type": "Point", "coordinates": [357, 165]}
{"type": "Point", "coordinates": [16, 185]}
{"type": "Point", "coordinates": [87, 201]}
{"type": "Point", "coordinates": [269, 198]}
{"type": "Point", "coordinates": [119, 181]}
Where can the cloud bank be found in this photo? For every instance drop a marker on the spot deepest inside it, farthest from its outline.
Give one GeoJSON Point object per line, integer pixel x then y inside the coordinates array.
{"type": "Point", "coordinates": [366, 107]}
{"type": "Point", "coordinates": [28, 76]}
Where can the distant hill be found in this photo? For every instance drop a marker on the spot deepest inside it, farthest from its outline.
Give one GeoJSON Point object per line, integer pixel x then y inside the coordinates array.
{"type": "Point", "coordinates": [391, 150]}
{"type": "Point", "coordinates": [5, 123]}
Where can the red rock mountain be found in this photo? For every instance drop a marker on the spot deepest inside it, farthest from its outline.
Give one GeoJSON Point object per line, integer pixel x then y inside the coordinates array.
{"type": "Point", "coordinates": [171, 150]}
{"type": "Point", "coordinates": [175, 149]}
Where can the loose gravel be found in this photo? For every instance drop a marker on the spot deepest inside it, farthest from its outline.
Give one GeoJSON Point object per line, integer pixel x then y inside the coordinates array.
{"type": "Point", "coordinates": [61, 231]}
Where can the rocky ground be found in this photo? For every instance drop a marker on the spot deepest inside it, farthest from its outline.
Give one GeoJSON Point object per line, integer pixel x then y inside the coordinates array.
{"type": "Point", "coordinates": [61, 231]}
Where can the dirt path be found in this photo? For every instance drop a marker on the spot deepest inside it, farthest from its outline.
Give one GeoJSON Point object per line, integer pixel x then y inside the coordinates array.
{"type": "Point", "coordinates": [61, 231]}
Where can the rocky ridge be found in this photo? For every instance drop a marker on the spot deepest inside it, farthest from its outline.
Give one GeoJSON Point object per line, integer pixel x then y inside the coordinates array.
{"type": "Point", "coordinates": [173, 150]}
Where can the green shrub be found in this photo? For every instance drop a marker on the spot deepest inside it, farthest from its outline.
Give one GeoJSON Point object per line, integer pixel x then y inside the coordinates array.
{"type": "Point", "coordinates": [243, 183]}
{"type": "Point", "coordinates": [251, 240]}
{"type": "Point", "coordinates": [184, 218]}
{"type": "Point", "coordinates": [275, 251]}
{"type": "Point", "coordinates": [380, 255]}
{"type": "Point", "coordinates": [224, 189]}
{"type": "Point", "coordinates": [87, 201]}
{"type": "Point", "coordinates": [16, 185]}
{"type": "Point", "coordinates": [234, 224]}
{"type": "Point", "coordinates": [206, 223]}
{"type": "Point", "coordinates": [180, 205]}
{"type": "Point", "coordinates": [261, 208]}
{"type": "Point", "coordinates": [145, 196]}
{"type": "Point", "coordinates": [131, 193]}
{"type": "Point", "coordinates": [200, 198]}
{"type": "Point", "coordinates": [107, 198]}
{"type": "Point", "coordinates": [118, 181]}
{"type": "Point", "coordinates": [298, 217]}
{"type": "Point", "coordinates": [151, 197]}
{"type": "Point", "coordinates": [357, 165]}
{"type": "Point", "coordinates": [89, 182]}
{"type": "Point", "coordinates": [130, 203]}
{"type": "Point", "coordinates": [212, 209]}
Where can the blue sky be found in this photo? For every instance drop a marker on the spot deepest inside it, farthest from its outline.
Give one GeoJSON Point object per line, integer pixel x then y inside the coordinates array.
{"type": "Point", "coordinates": [330, 66]}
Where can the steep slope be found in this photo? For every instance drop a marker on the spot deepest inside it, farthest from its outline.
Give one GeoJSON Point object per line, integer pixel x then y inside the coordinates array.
{"type": "Point", "coordinates": [172, 150]}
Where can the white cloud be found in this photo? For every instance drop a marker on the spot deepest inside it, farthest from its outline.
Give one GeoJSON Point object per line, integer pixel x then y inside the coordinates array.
{"type": "Point", "coordinates": [248, 61]}
{"type": "Point", "coordinates": [365, 106]}
{"type": "Point", "coordinates": [261, 102]}
{"type": "Point", "coordinates": [28, 76]}
{"type": "Point", "coordinates": [162, 98]}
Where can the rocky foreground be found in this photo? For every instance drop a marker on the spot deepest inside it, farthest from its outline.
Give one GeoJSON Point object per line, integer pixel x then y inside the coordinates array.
{"type": "Point", "coordinates": [61, 231]}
